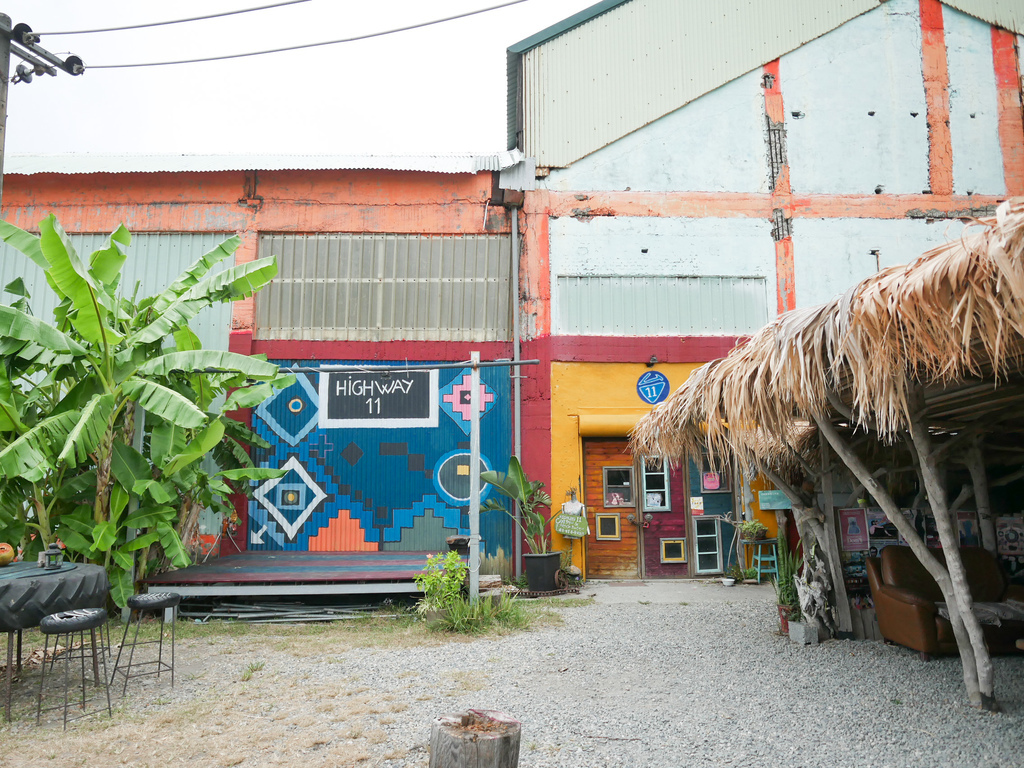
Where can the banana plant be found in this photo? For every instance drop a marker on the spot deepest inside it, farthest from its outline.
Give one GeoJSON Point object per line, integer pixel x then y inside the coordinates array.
{"type": "Point", "coordinates": [72, 391]}
{"type": "Point", "coordinates": [528, 494]}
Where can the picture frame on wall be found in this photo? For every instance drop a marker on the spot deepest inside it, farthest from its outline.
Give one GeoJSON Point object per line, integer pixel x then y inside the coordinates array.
{"type": "Point", "coordinates": [714, 480]}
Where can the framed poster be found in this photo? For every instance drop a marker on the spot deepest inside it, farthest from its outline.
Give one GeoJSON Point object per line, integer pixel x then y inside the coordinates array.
{"type": "Point", "coordinates": [714, 480]}
{"type": "Point", "coordinates": [853, 527]}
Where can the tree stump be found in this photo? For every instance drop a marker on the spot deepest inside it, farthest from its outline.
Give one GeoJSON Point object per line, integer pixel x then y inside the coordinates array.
{"type": "Point", "coordinates": [481, 738]}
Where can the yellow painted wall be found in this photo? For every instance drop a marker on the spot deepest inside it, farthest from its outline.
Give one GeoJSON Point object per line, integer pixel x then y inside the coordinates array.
{"type": "Point", "coordinates": [602, 397]}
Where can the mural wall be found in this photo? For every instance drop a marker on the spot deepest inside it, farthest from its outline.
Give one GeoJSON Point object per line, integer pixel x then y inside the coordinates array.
{"type": "Point", "coordinates": [378, 460]}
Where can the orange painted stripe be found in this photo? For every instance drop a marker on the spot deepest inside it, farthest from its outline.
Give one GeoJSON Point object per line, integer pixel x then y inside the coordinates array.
{"type": "Point", "coordinates": [535, 277]}
{"type": "Point", "coordinates": [936, 92]}
{"type": "Point", "coordinates": [785, 274]}
{"type": "Point", "coordinates": [773, 106]}
{"type": "Point", "coordinates": [1011, 123]}
{"type": "Point", "coordinates": [732, 205]}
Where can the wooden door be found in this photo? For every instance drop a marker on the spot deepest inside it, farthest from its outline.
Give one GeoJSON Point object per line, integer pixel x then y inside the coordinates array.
{"type": "Point", "coordinates": [610, 493]}
{"type": "Point", "coordinates": [662, 497]}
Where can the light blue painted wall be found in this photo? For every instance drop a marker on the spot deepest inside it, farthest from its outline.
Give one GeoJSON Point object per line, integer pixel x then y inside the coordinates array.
{"type": "Point", "coordinates": [675, 246]}
{"type": "Point", "coordinates": [973, 106]}
{"type": "Point", "coordinates": [870, 64]}
{"type": "Point", "coordinates": [832, 255]}
{"type": "Point", "coordinates": [713, 144]}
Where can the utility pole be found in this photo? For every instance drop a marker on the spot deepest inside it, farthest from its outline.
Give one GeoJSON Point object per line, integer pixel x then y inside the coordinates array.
{"type": "Point", "coordinates": [23, 43]}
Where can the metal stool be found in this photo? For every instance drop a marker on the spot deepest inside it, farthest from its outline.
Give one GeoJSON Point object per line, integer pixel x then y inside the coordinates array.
{"type": "Point", "coordinates": [68, 625]}
{"type": "Point", "coordinates": [766, 563]}
{"type": "Point", "coordinates": [151, 601]}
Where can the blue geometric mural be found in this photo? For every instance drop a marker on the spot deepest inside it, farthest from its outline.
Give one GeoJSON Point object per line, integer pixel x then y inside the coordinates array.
{"type": "Point", "coordinates": [381, 478]}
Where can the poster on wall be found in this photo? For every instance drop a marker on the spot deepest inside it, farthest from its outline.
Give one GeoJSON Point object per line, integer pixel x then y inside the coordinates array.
{"type": "Point", "coordinates": [714, 480]}
{"type": "Point", "coordinates": [1010, 536]}
{"type": "Point", "coordinates": [853, 526]}
{"type": "Point", "coordinates": [967, 523]}
{"type": "Point", "coordinates": [696, 505]}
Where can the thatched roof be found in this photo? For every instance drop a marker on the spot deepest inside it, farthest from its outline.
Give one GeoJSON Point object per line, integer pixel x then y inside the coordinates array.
{"type": "Point", "coordinates": [953, 321]}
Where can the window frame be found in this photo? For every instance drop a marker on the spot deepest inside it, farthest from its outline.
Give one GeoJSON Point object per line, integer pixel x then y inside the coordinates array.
{"type": "Point", "coordinates": [681, 540]}
{"type": "Point", "coordinates": [667, 490]}
{"type": "Point", "coordinates": [609, 516]}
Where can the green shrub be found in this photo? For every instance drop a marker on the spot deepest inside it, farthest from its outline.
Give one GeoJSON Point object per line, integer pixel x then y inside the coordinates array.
{"type": "Point", "coordinates": [466, 617]}
{"type": "Point", "coordinates": [441, 581]}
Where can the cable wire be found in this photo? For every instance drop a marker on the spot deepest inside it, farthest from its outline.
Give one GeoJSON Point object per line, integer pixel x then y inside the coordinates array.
{"type": "Point", "coordinates": [175, 21]}
{"type": "Point", "coordinates": [309, 45]}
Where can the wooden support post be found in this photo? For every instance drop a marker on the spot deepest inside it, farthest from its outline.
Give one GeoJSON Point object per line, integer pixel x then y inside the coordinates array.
{"type": "Point", "coordinates": [477, 738]}
{"type": "Point", "coordinates": [975, 460]}
{"type": "Point", "coordinates": [831, 542]}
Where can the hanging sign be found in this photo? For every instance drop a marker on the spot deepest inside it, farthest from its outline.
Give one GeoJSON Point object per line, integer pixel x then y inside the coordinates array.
{"type": "Point", "coordinates": [773, 500]}
{"type": "Point", "coordinates": [367, 399]}
{"type": "Point", "coordinates": [571, 526]}
{"type": "Point", "coordinates": [652, 387]}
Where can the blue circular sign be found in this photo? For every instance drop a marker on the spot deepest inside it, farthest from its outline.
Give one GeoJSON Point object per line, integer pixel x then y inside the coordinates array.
{"type": "Point", "coordinates": [652, 387]}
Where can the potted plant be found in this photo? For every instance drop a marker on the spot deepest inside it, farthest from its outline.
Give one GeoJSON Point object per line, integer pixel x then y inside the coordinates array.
{"type": "Point", "coordinates": [752, 530]}
{"type": "Point", "coordinates": [785, 584]}
{"type": "Point", "coordinates": [441, 581]}
{"type": "Point", "coordinates": [541, 564]}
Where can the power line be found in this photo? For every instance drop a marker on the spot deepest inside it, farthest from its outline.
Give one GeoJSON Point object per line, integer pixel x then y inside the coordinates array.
{"type": "Point", "coordinates": [309, 45]}
{"type": "Point", "coordinates": [175, 21]}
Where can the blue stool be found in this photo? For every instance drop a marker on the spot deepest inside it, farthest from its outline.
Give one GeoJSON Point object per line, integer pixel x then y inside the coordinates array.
{"type": "Point", "coordinates": [763, 558]}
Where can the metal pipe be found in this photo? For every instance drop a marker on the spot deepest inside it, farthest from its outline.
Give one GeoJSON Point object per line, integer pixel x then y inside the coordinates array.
{"type": "Point", "coordinates": [474, 480]}
{"type": "Point", "coordinates": [5, 77]}
{"type": "Point", "coordinates": [517, 402]}
{"type": "Point", "coordinates": [391, 369]}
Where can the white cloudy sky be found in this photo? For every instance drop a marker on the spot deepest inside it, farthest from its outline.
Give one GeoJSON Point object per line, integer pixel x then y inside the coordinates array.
{"type": "Point", "coordinates": [436, 89]}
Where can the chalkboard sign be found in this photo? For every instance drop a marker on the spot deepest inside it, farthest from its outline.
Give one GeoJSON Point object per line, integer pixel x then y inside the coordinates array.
{"type": "Point", "coordinates": [375, 399]}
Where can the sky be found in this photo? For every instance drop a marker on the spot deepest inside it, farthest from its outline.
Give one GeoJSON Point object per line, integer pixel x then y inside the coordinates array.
{"type": "Point", "coordinates": [439, 89]}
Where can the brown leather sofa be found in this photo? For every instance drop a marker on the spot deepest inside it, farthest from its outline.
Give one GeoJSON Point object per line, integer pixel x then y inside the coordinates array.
{"type": "Point", "coordinates": [905, 594]}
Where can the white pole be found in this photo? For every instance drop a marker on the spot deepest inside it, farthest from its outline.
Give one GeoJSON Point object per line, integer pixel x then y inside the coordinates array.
{"type": "Point", "coordinates": [474, 480]}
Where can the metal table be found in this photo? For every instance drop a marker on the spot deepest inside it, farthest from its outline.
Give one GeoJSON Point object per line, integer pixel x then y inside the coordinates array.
{"type": "Point", "coordinates": [28, 593]}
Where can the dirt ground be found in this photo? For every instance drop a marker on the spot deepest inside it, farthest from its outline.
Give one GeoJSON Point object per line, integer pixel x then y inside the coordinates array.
{"type": "Point", "coordinates": [261, 695]}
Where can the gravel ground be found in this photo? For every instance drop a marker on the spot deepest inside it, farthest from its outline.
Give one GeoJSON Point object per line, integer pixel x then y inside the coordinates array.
{"type": "Point", "coordinates": [664, 674]}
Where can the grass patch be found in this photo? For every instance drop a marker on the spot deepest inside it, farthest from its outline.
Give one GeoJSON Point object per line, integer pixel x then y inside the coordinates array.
{"type": "Point", "coordinates": [252, 668]}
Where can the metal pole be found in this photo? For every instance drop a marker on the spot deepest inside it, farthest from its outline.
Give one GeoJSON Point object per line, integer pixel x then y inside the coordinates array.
{"type": "Point", "coordinates": [5, 77]}
{"type": "Point", "coordinates": [517, 404]}
{"type": "Point", "coordinates": [474, 479]}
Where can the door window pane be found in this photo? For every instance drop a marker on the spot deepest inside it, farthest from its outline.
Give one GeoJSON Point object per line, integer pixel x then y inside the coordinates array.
{"type": "Point", "coordinates": [656, 492]}
{"type": "Point", "coordinates": [608, 526]}
{"type": "Point", "coordinates": [618, 487]}
{"type": "Point", "coordinates": [709, 548]}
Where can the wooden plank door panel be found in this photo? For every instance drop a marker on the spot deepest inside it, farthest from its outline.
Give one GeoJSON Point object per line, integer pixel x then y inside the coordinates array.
{"type": "Point", "coordinates": [609, 558]}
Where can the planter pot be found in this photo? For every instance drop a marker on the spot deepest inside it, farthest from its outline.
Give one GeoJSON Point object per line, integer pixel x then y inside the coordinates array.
{"type": "Point", "coordinates": [786, 612]}
{"type": "Point", "coordinates": [541, 571]}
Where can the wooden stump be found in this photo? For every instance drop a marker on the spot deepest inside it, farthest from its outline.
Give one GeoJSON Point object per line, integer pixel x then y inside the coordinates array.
{"type": "Point", "coordinates": [481, 738]}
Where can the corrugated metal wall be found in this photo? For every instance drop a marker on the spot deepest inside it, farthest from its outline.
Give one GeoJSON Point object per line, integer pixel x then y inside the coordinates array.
{"type": "Point", "coordinates": [1008, 14]}
{"type": "Point", "coordinates": [381, 287]}
{"type": "Point", "coordinates": [154, 260]}
{"type": "Point", "coordinates": [594, 84]}
{"type": "Point", "coordinates": [660, 306]}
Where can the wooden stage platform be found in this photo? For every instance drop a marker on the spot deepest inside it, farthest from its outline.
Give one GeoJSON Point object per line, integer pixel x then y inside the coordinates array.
{"type": "Point", "coordinates": [259, 574]}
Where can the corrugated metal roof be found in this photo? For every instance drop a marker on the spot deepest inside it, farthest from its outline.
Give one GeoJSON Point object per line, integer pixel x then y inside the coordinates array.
{"type": "Point", "coordinates": [89, 163]}
{"type": "Point", "coordinates": [1008, 14]}
{"type": "Point", "coordinates": [575, 90]}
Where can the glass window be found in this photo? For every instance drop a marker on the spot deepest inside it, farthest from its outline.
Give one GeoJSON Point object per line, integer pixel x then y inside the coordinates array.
{"type": "Point", "coordinates": [709, 545]}
{"type": "Point", "coordinates": [656, 493]}
{"type": "Point", "coordinates": [673, 550]}
{"type": "Point", "coordinates": [608, 526]}
{"type": "Point", "coordinates": [618, 487]}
